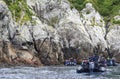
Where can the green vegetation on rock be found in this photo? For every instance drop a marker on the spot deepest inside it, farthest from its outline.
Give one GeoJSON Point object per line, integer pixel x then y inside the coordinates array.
{"type": "Point", "coordinates": [107, 8]}
{"type": "Point", "coordinates": [78, 4]}
{"type": "Point", "coordinates": [116, 22]}
{"type": "Point", "coordinates": [20, 10]}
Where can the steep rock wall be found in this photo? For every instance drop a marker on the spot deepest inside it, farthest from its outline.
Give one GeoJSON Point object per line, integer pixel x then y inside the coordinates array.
{"type": "Point", "coordinates": [58, 34]}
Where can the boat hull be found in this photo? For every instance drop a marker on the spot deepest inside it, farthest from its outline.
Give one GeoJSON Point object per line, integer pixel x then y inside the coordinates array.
{"type": "Point", "coordinates": [82, 70]}
{"type": "Point", "coordinates": [111, 63]}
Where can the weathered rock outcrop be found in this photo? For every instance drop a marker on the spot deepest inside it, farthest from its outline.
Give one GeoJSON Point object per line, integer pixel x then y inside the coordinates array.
{"type": "Point", "coordinates": [10, 36]}
{"type": "Point", "coordinates": [74, 30]}
{"type": "Point", "coordinates": [59, 33]}
{"type": "Point", "coordinates": [113, 38]}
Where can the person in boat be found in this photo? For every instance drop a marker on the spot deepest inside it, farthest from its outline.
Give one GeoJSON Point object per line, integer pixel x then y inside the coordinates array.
{"type": "Point", "coordinates": [66, 62]}
{"type": "Point", "coordinates": [103, 62]}
{"type": "Point", "coordinates": [75, 62]}
{"type": "Point", "coordinates": [85, 63]}
{"type": "Point", "coordinates": [71, 60]}
{"type": "Point", "coordinates": [111, 62]}
{"type": "Point", "coordinates": [94, 59]}
{"type": "Point", "coordinates": [91, 58]}
{"type": "Point", "coordinates": [114, 61]}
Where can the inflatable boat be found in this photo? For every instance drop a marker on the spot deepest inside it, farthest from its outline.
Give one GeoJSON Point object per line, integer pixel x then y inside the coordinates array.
{"type": "Point", "coordinates": [70, 62]}
{"type": "Point", "coordinates": [88, 66]}
{"type": "Point", "coordinates": [87, 70]}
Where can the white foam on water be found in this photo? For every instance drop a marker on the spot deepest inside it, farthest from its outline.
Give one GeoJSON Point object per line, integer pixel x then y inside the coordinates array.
{"type": "Point", "coordinates": [52, 73]}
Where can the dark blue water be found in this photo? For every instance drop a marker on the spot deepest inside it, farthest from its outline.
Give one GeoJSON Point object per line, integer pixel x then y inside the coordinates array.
{"type": "Point", "coordinates": [56, 72]}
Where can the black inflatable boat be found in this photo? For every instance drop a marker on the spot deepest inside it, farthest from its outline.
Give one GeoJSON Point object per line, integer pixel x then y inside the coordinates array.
{"type": "Point", "coordinates": [87, 66]}
{"type": "Point", "coordinates": [87, 70]}
{"type": "Point", "coordinates": [70, 62]}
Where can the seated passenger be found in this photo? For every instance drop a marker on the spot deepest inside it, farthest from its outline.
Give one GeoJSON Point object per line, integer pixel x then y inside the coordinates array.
{"type": "Point", "coordinates": [95, 58]}
{"type": "Point", "coordinates": [103, 62]}
{"type": "Point", "coordinates": [75, 62]}
{"type": "Point", "coordinates": [85, 64]}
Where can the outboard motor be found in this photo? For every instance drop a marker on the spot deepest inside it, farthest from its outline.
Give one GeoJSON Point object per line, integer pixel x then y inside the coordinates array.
{"type": "Point", "coordinates": [91, 66]}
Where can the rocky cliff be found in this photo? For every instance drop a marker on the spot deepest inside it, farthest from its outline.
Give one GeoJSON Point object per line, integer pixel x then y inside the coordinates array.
{"type": "Point", "coordinates": [58, 33]}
